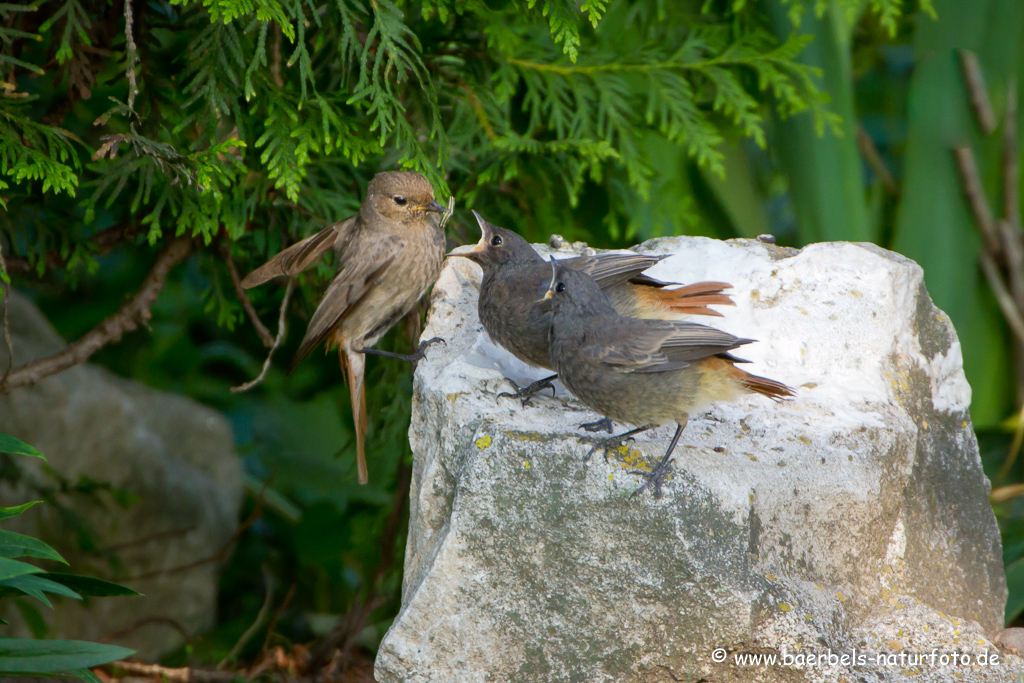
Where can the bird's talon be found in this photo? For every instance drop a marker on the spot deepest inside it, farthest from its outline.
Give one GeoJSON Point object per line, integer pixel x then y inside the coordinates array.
{"type": "Point", "coordinates": [602, 425]}
{"type": "Point", "coordinates": [528, 392]}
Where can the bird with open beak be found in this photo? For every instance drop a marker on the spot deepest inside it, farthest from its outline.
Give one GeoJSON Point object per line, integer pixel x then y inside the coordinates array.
{"type": "Point", "coordinates": [387, 256]}
{"type": "Point", "coordinates": [643, 372]}
{"type": "Point", "coordinates": [516, 277]}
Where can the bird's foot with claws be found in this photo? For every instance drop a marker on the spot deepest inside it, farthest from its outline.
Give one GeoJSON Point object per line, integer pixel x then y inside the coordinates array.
{"type": "Point", "coordinates": [602, 425]}
{"type": "Point", "coordinates": [606, 445]}
{"type": "Point", "coordinates": [652, 478]}
{"type": "Point", "coordinates": [413, 358]}
{"type": "Point", "coordinates": [528, 392]}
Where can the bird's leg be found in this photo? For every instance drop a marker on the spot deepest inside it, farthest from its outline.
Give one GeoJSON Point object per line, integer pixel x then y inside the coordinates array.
{"type": "Point", "coordinates": [608, 443]}
{"type": "Point", "coordinates": [528, 392]}
{"type": "Point", "coordinates": [602, 425]}
{"type": "Point", "coordinates": [659, 471]}
{"type": "Point", "coordinates": [409, 357]}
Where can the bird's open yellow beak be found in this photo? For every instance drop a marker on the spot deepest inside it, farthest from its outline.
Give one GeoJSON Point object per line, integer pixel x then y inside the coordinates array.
{"type": "Point", "coordinates": [547, 295]}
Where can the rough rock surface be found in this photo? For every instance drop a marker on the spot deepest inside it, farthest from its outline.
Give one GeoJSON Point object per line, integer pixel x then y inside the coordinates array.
{"type": "Point", "coordinates": [173, 456]}
{"type": "Point", "coordinates": [853, 520]}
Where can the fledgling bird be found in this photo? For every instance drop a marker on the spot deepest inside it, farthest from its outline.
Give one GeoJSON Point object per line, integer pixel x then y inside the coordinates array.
{"type": "Point", "coordinates": [515, 279]}
{"type": "Point", "coordinates": [644, 372]}
{"type": "Point", "coordinates": [387, 256]}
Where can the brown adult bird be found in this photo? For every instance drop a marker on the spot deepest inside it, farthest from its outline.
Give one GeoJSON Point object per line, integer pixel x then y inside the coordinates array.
{"type": "Point", "coordinates": [515, 279]}
{"type": "Point", "coordinates": [387, 256]}
{"type": "Point", "coordinates": [644, 372]}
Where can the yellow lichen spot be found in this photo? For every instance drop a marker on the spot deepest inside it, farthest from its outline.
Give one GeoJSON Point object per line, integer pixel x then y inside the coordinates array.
{"type": "Point", "coordinates": [784, 606]}
{"type": "Point", "coordinates": [924, 424]}
{"type": "Point", "coordinates": [895, 644]}
{"type": "Point", "coordinates": [807, 617]}
{"type": "Point", "coordinates": [526, 464]}
{"type": "Point", "coordinates": [751, 456]}
{"type": "Point", "coordinates": [483, 442]}
{"type": "Point", "coordinates": [770, 577]}
{"type": "Point", "coordinates": [840, 596]}
{"type": "Point", "coordinates": [963, 425]}
{"type": "Point", "coordinates": [855, 293]}
{"type": "Point", "coordinates": [803, 439]}
{"type": "Point", "coordinates": [611, 476]}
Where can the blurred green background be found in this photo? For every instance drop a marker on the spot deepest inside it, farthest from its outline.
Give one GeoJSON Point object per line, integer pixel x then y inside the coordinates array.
{"type": "Point", "coordinates": [257, 122]}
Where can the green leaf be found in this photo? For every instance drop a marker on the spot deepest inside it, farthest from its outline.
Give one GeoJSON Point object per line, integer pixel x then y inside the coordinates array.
{"type": "Point", "coordinates": [823, 165]}
{"type": "Point", "coordinates": [11, 568]}
{"type": "Point", "coordinates": [37, 587]}
{"type": "Point", "coordinates": [53, 656]}
{"type": "Point", "coordinates": [8, 444]}
{"type": "Point", "coordinates": [934, 224]}
{"type": "Point", "coordinates": [87, 585]}
{"type": "Point", "coordinates": [16, 545]}
{"type": "Point", "coordinates": [17, 510]}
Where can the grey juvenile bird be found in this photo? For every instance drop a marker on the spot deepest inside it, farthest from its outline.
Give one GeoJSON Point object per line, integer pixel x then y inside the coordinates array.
{"type": "Point", "coordinates": [387, 256]}
{"type": "Point", "coordinates": [516, 277]}
{"type": "Point", "coordinates": [644, 372]}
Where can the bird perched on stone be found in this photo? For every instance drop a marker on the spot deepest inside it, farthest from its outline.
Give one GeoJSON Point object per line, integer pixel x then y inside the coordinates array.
{"type": "Point", "coordinates": [387, 256]}
{"type": "Point", "coordinates": [516, 277]}
{"type": "Point", "coordinates": [643, 372]}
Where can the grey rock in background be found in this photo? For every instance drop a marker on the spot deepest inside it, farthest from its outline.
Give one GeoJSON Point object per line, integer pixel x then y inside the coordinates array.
{"type": "Point", "coordinates": [173, 456]}
{"type": "Point", "coordinates": [852, 520]}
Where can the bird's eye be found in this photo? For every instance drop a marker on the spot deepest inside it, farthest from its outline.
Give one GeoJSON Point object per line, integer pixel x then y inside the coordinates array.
{"type": "Point", "coordinates": [496, 240]}
{"type": "Point", "coordinates": [560, 287]}
{"type": "Point", "coordinates": [399, 200]}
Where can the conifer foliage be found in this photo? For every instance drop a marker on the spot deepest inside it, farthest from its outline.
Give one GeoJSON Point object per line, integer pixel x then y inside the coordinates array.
{"type": "Point", "coordinates": [215, 118]}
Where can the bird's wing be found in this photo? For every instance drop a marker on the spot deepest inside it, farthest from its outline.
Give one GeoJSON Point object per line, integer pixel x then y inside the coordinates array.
{"type": "Point", "coordinates": [356, 276]}
{"type": "Point", "coordinates": [660, 346]}
{"type": "Point", "coordinates": [613, 269]}
{"type": "Point", "coordinates": [300, 255]}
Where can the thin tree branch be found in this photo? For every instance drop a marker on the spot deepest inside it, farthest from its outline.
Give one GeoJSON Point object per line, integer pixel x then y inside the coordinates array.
{"type": "Point", "coordinates": [975, 80]}
{"type": "Point", "coordinates": [875, 161]}
{"type": "Point", "coordinates": [127, 318]}
{"type": "Point", "coordinates": [277, 615]}
{"type": "Point", "coordinates": [1011, 159]}
{"type": "Point", "coordinates": [281, 330]}
{"type": "Point", "coordinates": [1003, 297]}
{"type": "Point", "coordinates": [183, 675]}
{"type": "Point", "coordinates": [261, 617]}
{"type": "Point", "coordinates": [975, 192]}
{"type": "Point", "coordinates": [250, 312]}
{"type": "Point", "coordinates": [257, 512]}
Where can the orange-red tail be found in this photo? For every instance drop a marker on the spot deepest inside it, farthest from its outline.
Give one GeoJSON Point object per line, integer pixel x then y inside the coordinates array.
{"type": "Point", "coordinates": [687, 300]}
{"type": "Point", "coordinates": [354, 365]}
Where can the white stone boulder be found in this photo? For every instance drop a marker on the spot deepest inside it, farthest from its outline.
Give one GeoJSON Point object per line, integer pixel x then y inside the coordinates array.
{"type": "Point", "coordinates": [853, 520]}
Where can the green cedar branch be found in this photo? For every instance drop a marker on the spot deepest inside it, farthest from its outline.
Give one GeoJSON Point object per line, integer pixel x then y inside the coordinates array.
{"type": "Point", "coordinates": [127, 318]}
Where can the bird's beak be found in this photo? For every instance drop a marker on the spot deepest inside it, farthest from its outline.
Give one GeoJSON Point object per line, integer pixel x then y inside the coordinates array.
{"type": "Point", "coordinates": [433, 206]}
{"type": "Point", "coordinates": [479, 247]}
{"type": "Point", "coordinates": [551, 287]}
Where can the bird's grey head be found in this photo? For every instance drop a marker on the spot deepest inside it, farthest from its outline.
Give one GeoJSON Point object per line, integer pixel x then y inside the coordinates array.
{"type": "Point", "coordinates": [499, 247]}
{"type": "Point", "coordinates": [402, 196]}
{"type": "Point", "coordinates": [574, 290]}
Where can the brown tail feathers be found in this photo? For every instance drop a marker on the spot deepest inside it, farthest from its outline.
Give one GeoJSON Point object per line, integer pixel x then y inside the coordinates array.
{"type": "Point", "coordinates": [687, 300]}
{"type": "Point", "coordinates": [354, 365]}
{"type": "Point", "coordinates": [776, 391]}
